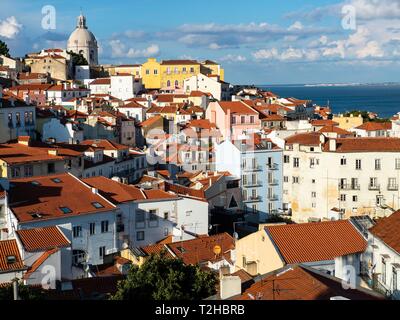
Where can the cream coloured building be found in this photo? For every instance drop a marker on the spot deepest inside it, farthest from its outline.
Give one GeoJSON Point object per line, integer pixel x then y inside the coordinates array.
{"type": "Point", "coordinates": [338, 178]}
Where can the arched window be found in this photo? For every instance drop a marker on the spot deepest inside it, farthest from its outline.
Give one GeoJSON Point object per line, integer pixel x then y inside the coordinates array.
{"type": "Point", "coordinates": [168, 83]}
{"type": "Point", "coordinates": [176, 83]}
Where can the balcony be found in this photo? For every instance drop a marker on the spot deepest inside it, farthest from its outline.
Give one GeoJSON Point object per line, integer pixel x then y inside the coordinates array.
{"type": "Point", "coordinates": [349, 186]}
{"type": "Point", "coordinates": [273, 182]}
{"type": "Point", "coordinates": [252, 168]}
{"type": "Point", "coordinates": [393, 187]}
{"type": "Point", "coordinates": [252, 199]}
{"type": "Point", "coordinates": [272, 166]}
{"type": "Point", "coordinates": [273, 197]}
{"type": "Point", "coordinates": [374, 187]}
{"type": "Point", "coordinates": [252, 183]}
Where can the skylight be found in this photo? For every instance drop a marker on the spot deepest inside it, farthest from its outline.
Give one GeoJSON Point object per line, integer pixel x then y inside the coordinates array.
{"type": "Point", "coordinates": [36, 183]}
{"type": "Point", "coordinates": [97, 205]}
{"type": "Point", "coordinates": [11, 259]}
{"type": "Point", "coordinates": [65, 210]}
{"type": "Point", "coordinates": [56, 180]}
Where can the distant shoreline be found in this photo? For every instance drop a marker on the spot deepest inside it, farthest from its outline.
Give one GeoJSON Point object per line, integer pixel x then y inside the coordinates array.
{"type": "Point", "coordinates": [311, 85]}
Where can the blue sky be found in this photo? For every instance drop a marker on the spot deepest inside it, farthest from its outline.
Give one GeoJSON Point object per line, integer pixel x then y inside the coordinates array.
{"type": "Point", "coordinates": [257, 41]}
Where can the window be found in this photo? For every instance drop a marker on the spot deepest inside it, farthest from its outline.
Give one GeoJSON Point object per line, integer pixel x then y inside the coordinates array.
{"type": "Point", "coordinates": [313, 194]}
{"type": "Point", "coordinates": [358, 164]}
{"type": "Point", "coordinates": [254, 208]}
{"type": "Point", "coordinates": [188, 213]}
{"type": "Point", "coordinates": [296, 162]}
{"type": "Point", "coordinates": [295, 179]}
{"type": "Point", "coordinates": [191, 70]}
{"type": "Point", "coordinates": [51, 168]}
{"type": "Point", "coordinates": [343, 161]}
{"type": "Point", "coordinates": [286, 159]}
{"type": "Point", "coordinates": [343, 197]}
{"type": "Point", "coordinates": [251, 119]}
{"type": "Point", "coordinates": [18, 119]}
{"type": "Point", "coordinates": [166, 215]}
{"type": "Point", "coordinates": [56, 180]}
{"type": "Point", "coordinates": [383, 271]}
{"type": "Point", "coordinates": [392, 184]}
{"type": "Point", "coordinates": [397, 164]}
{"type": "Point", "coordinates": [285, 179]}
{"type": "Point", "coordinates": [166, 232]}
{"type": "Point", "coordinates": [104, 226]}
{"type": "Point", "coordinates": [92, 228]}
{"type": "Point", "coordinates": [377, 164]}
{"type": "Point", "coordinates": [140, 236]}
{"type": "Point", "coordinates": [394, 277]}
{"type": "Point", "coordinates": [11, 259]}
{"type": "Point", "coordinates": [102, 252]}
{"type": "Point", "coordinates": [28, 171]}
{"type": "Point", "coordinates": [77, 231]}
{"type": "Point", "coordinates": [65, 210]}
{"type": "Point", "coordinates": [176, 83]}
{"type": "Point", "coordinates": [97, 205]}
{"type": "Point", "coordinates": [155, 71]}
{"type": "Point", "coordinates": [242, 119]}
{"type": "Point", "coordinates": [312, 181]}
{"type": "Point", "coordinates": [147, 71]}
{"type": "Point", "coordinates": [312, 162]}
{"type": "Point", "coordinates": [355, 198]}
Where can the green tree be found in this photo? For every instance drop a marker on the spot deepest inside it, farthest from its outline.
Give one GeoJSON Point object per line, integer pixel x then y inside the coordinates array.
{"type": "Point", "coordinates": [25, 292]}
{"type": "Point", "coordinates": [4, 49]}
{"type": "Point", "coordinates": [162, 278]}
{"type": "Point", "coordinates": [78, 59]}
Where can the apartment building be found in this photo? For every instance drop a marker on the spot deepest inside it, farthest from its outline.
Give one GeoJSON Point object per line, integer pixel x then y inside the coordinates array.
{"type": "Point", "coordinates": [349, 176]}
{"type": "Point", "coordinates": [258, 163]}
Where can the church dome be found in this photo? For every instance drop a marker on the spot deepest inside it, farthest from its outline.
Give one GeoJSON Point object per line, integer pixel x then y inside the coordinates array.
{"type": "Point", "coordinates": [81, 36]}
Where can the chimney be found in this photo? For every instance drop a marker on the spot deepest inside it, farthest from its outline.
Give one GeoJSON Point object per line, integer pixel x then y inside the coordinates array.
{"type": "Point", "coordinates": [52, 152]}
{"type": "Point", "coordinates": [230, 286]}
{"type": "Point", "coordinates": [332, 144]}
{"type": "Point", "coordinates": [25, 140]}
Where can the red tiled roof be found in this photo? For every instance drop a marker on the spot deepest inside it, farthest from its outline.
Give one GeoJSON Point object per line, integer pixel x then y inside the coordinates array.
{"type": "Point", "coordinates": [366, 145]}
{"type": "Point", "coordinates": [101, 81]}
{"type": "Point", "coordinates": [39, 239]}
{"type": "Point", "coordinates": [201, 123]}
{"type": "Point", "coordinates": [104, 144]}
{"type": "Point", "coordinates": [10, 248]}
{"type": "Point", "coordinates": [301, 283]}
{"type": "Point", "coordinates": [323, 123]}
{"type": "Point", "coordinates": [237, 107]}
{"type": "Point", "coordinates": [375, 126]}
{"type": "Point", "coordinates": [335, 129]}
{"type": "Point", "coordinates": [150, 121]}
{"type": "Point", "coordinates": [47, 197]}
{"type": "Point", "coordinates": [311, 139]}
{"type": "Point", "coordinates": [309, 242]}
{"type": "Point", "coordinates": [184, 190]}
{"type": "Point", "coordinates": [387, 229]}
{"type": "Point", "coordinates": [201, 249]}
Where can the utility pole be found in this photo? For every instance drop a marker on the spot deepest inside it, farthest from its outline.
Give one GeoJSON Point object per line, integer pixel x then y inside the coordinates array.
{"type": "Point", "coordinates": [15, 289]}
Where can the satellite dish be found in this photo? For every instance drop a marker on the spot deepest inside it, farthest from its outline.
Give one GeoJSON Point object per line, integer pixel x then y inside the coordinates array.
{"type": "Point", "coordinates": [217, 249]}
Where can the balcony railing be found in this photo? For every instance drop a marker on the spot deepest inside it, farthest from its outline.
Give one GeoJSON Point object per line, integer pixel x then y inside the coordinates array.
{"type": "Point", "coordinates": [273, 182]}
{"type": "Point", "coordinates": [374, 187]}
{"type": "Point", "coordinates": [393, 187]}
{"type": "Point", "coordinates": [349, 186]}
{"type": "Point", "coordinates": [252, 199]}
{"type": "Point", "coordinates": [272, 166]}
{"type": "Point", "coordinates": [273, 197]}
{"type": "Point", "coordinates": [252, 168]}
{"type": "Point", "coordinates": [252, 183]}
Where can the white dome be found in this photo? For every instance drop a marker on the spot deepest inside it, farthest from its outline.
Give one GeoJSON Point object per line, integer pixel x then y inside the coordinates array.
{"type": "Point", "coordinates": [81, 37]}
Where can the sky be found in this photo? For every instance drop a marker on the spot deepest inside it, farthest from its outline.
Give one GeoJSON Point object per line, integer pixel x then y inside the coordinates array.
{"type": "Point", "coordinates": [256, 41]}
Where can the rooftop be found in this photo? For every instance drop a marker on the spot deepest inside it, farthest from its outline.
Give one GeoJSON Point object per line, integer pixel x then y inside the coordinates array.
{"type": "Point", "coordinates": [319, 241]}
{"type": "Point", "coordinates": [10, 259]}
{"type": "Point", "coordinates": [39, 239]}
{"type": "Point", "coordinates": [387, 229]}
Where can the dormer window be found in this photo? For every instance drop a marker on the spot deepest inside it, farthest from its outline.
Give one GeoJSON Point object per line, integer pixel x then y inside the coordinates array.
{"type": "Point", "coordinates": [11, 259]}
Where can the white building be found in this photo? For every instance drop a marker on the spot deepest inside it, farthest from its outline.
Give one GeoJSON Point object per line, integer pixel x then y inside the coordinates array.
{"type": "Point", "coordinates": [122, 86]}
{"type": "Point", "coordinates": [218, 89]}
{"type": "Point", "coordinates": [381, 261]}
{"type": "Point", "coordinates": [149, 216]}
{"type": "Point", "coordinates": [86, 218]}
{"type": "Point", "coordinates": [100, 86]}
{"type": "Point", "coordinates": [59, 132]}
{"type": "Point", "coordinates": [353, 176]}
{"type": "Point", "coordinates": [82, 41]}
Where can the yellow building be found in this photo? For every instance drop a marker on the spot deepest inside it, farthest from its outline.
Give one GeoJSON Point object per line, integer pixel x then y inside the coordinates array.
{"type": "Point", "coordinates": [347, 123]}
{"type": "Point", "coordinates": [170, 74]}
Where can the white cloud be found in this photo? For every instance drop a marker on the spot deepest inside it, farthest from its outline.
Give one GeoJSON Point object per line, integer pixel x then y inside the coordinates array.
{"type": "Point", "coordinates": [233, 58]}
{"type": "Point", "coordinates": [9, 28]}
{"type": "Point", "coordinates": [296, 26]}
{"type": "Point", "coordinates": [291, 54]}
{"type": "Point", "coordinates": [266, 54]}
{"type": "Point", "coordinates": [119, 50]}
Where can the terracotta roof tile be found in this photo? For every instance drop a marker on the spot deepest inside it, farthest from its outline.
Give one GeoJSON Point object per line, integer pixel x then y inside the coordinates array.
{"type": "Point", "coordinates": [366, 145]}
{"type": "Point", "coordinates": [237, 107]}
{"type": "Point", "coordinates": [388, 230]}
{"type": "Point", "coordinates": [320, 241]}
{"type": "Point", "coordinates": [311, 139]}
{"type": "Point", "coordinates": [39, 239]}
{"type": "Point", "coordinates": [10, 248]}
{"type": "Point", "coordinates": [49, 194]}
{"type": "Point", "coordinates": [301, 283]}
{"type": "Point", "coordinates": [375, 126]}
